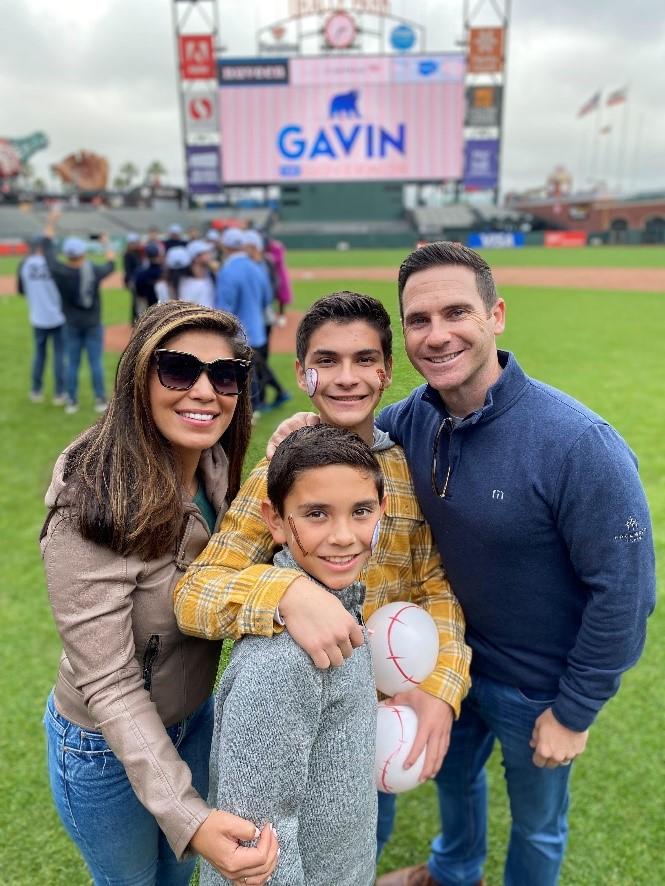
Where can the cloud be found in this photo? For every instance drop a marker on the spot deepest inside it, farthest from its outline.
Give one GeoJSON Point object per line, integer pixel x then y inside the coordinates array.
{"type": "Point", "coordinates": [101, 75]}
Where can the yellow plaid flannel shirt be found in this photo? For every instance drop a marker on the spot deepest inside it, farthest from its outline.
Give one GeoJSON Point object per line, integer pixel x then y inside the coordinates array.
{"type": "Point", "coordinates": [231, 589]}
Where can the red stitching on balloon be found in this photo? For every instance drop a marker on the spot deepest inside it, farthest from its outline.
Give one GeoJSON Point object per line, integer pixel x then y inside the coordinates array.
{"type": "Point", "coordinates": [384, 770]}
{"type": "Point", "coordinates": [395, 658]}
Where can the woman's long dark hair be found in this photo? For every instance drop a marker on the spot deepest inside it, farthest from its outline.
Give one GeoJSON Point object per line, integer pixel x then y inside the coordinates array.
{"type": "Point", "coordinates": [127, 487]}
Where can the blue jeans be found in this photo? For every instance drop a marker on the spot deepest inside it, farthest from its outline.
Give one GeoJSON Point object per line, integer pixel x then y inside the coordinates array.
{"type": "Point", "coordinates": [538, 797]}
{"type": "Point", "coordinates": [57, 335]}
{"type": "Point", "coordinates": [118, 838]}
{"type": "Point", "coordinates": [92, 339]}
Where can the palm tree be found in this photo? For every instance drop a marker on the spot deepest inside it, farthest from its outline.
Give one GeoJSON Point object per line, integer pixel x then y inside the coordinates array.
{"type": "Point", "coordinates": [128, 171]}
{"type": "Point", "coordinates": [154, 172]}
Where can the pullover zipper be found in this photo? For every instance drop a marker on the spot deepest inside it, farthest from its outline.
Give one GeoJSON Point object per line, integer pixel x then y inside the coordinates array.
{"type": "Point", "coordinates": [448, 427]}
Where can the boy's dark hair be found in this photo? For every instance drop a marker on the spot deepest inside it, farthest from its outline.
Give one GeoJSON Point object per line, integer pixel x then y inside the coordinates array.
{"type": "Point", "coordinates": [445, 252]}
{"type": "Point", "coordinates": [344, 307]}
{"type": "Point", "coordinates": [317, 447]}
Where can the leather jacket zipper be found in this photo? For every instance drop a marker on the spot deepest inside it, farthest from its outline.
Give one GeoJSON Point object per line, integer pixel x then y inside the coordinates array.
{"type": "Point", "coordinates": [149, 658]}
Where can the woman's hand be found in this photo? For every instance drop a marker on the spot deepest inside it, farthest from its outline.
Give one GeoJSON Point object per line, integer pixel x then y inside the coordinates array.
{"type": "Point", "coordinates": [218, 841]}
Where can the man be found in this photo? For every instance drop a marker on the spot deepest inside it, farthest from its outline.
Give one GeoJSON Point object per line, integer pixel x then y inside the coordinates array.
{"type": "Point", "coordinates": [541, 520]}
{"type": "Point", "coordinates": [46, 318]}
{"type": "Point", "coordinates": [344, 349]}
{"type": "Point", "coordinates": [147, 276]}
{"type": "Point", "coordinates": [243, 291]}
{"type": "Point", "coordinates": [539, 515]}
{"type": "Point", "coordinates": [78, 281]}
{"type": "Point", "coordinates": [175, 236]}
{"type": "Point", "coordinates": [254, 248]}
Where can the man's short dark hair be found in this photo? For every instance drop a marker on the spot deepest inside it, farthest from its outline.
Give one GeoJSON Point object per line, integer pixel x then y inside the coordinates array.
{"type": "Point", "coordinates": [445, 252]}
{"type": "Point", "coordinates": [344, 307]}
{"type": "Point", "coordinates": [317, 447]}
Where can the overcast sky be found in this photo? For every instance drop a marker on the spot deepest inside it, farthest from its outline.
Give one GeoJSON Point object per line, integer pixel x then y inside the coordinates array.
{"type": "Point", "coordinates": [100, 75]}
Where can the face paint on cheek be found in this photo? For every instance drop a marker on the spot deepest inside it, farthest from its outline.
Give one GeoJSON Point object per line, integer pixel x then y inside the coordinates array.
{"type": "Point", "coordinates": [375, 536]}
{"type": "Point", "coordinates": [294, 531]}
{"type": "Point", "coordinates": [382, 380]}
{"type": "Point", "coordinates": [311, 381]}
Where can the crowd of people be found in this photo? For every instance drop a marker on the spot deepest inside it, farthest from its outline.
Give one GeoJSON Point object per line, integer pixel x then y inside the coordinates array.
{"type": "Point", "coordinates": [64, 299]}
{"type": "Point", "coordinates": [508, 510]}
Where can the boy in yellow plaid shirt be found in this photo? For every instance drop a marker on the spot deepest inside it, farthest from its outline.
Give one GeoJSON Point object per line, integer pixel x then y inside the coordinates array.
{"type": "Point", "coordinates": [344, 363]}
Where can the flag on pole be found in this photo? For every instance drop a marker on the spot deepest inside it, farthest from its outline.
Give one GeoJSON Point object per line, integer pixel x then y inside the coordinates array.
{"type": "Point", "coordinates": [618, 97]}
{"type": "Point", "coordinates": [589, 106]}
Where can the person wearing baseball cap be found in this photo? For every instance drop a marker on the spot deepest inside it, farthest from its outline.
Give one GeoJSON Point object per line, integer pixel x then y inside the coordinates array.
{"type": "Point", "coordinates": [148, 276]}
{"type": "Point", "coordinates": [78, 281]}
{"type": "Point", "coordinates": [174, 237]}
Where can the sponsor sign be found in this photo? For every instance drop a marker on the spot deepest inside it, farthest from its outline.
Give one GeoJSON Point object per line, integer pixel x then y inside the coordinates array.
{"type": "Point", "coordinates": [201, 113]}
{"type": "Point", "coordinates": [481, 164]}
{"type": "Point", "coordinates": [565, 238]}
{"type": "Point", "coordinates": [486, 50]}
{"type": "Point", "coordinates": [483, 106]}
{"type": "Point", "coordinates": [203, 169]}
{"type": "Point", "coordinates": [242, 71]}
{"type": "Point", "coordinates": [402, 38]}
{"type": "Point", "coordinates": [345, 119]}
{"type": "Point", "coordinates": [496, 240]}
{"type": "Point", "coordinates": [197, 57]}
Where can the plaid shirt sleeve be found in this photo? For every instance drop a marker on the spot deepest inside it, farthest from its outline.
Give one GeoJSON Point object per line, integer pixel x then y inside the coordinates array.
{"type": "Point", "coordinates": [231, 589]}
{"type": "Point", "coordinates": [406, 566]}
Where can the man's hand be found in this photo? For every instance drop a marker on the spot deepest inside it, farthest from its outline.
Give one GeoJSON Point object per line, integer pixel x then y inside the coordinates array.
{"type": "Point", "coordinates": [218, 840]}
{"type": "Point", "coordinates": [288, 426]}
{"type": "Point", "coordinates": [435, 720]}
{"type": "Point", "coordinates": [319, 623]}
{"type": "Point", "coordinates": [555, 744]}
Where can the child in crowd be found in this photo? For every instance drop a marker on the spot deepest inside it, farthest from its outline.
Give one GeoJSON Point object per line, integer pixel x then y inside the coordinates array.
{"type": "Point", "coordinates": [294, 744]}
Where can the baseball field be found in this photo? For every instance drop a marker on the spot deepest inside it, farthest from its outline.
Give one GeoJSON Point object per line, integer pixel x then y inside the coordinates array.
{"type": "Point", "coordinates": [590, 321]}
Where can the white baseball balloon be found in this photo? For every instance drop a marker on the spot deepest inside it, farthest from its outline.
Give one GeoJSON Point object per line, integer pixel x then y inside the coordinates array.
{"type": "Point", "coordinates": [396, 727]}
{"type": "Point", "coordinates": [405, 646]}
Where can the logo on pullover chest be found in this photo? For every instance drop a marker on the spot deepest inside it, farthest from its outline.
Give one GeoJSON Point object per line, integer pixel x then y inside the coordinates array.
{"type": "Point", "coordinates": [497, 494]}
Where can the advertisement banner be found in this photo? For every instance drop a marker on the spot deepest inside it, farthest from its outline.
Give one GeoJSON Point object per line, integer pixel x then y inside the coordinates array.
{"type": "Point", "coordinates": [483, 106]}
{"type": "Point", "coordinates": [481, 164]}
{"type": "Point", "coordinates": [201, 114]}
{"type": "Point", "coordinates": [197, 58]}
{"type": "Point", "coordinates": [243, 71]}
{"type": "Point", "coordinates": [496, 240]}
{"type": "Point", "coordinates": [565, 238]}
{"type": "Point", "coordinates": [345, 119]}
{"type": "Point", "coordinates": [203, 172]}
{"type": "Point", "coordinates": [486, 50]}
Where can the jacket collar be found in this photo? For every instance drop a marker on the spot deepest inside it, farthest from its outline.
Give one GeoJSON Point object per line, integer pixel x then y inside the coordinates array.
{"type": "Point", "coordinates": [510, 385]}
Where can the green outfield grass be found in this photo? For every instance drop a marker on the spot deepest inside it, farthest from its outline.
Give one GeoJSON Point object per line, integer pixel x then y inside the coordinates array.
{"type": "Point", "coordinates": [605, 348]}
{"type": "Point", "coordinates": [532, 256]}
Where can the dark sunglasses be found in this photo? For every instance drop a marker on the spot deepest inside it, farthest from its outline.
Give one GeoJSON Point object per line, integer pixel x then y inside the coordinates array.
{"type": "Point", "coordinates": [179, 372]}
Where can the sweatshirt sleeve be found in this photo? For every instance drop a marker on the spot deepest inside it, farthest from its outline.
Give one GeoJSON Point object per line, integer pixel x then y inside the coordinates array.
{"type": "Point", "coordinates": [91, 594]}
{"type": "Point", "coordinates": [231, 589]}
{"type": "Point", "coordinates": [602, 514]}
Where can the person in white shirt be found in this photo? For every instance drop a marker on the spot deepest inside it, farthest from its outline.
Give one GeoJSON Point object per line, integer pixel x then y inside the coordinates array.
{"type": "Point", "coordinates": [47, 321]}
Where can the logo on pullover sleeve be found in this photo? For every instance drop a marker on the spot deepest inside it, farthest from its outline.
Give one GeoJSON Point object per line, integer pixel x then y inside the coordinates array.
{"type": "Point", "coordinates": [634, 532]}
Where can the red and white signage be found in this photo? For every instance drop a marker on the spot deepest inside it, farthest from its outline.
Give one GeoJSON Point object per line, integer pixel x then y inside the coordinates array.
{"type": "Point", "coordinates": [201, 120]}
{"type": "Point", "coordinates": [565, 238]}
{"type": "Point", "coordinates": [197, 57]}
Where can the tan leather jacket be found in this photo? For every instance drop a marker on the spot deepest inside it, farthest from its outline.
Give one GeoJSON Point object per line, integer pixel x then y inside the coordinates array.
{"type": "Point", "coordinates": [126, 669]}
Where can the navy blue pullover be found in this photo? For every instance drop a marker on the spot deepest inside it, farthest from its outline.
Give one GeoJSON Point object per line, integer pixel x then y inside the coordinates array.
{"type": "Point", "coordinates": [544, 532]}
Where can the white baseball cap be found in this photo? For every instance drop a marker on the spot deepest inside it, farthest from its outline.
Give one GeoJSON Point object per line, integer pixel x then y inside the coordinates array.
{"type": "Point", "coordinates": [252, 237]}
{"type": "Point", "coordinates": [177, 258]}
{"type": "Point", "coordinates": [74, 247]}
{"type": "Point", "coordinates": [198, 247]}
{"type": "Point", "coordinates": [233, 238]}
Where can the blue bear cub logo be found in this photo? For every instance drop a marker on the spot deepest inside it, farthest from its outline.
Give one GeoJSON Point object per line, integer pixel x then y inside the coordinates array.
{"type": "Point", "coordinates": [344, 105]}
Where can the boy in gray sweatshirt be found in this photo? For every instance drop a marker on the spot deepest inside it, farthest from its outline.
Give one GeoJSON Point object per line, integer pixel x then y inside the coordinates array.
{"type": "Point", "coordinates": [294, 745]}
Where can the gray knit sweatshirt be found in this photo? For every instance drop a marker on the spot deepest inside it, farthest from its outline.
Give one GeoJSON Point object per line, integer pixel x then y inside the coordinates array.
{"type": "Point", "coordinates": [294, 745]}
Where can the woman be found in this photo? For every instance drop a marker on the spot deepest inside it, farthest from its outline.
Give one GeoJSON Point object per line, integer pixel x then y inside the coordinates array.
{"type": "Point", "coordinates": [132, 502]}
{"type": "Point", "coordinates": [189, 276]}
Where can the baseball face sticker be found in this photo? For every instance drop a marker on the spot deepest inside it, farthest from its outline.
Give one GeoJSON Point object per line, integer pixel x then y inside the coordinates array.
{"type": "Point", "coordinates": [382, 380]}
{"type": "Point", "coordinates": [375, 536]}
{"type": "Point", "coordinates": [312, 381]}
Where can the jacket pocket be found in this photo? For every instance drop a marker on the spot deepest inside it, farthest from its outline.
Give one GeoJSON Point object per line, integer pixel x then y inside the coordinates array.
{"type": "Point", "coordinates": [149, 659]}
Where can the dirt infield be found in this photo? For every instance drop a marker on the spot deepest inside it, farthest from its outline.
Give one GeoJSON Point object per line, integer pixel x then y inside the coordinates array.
{"type": "Point", "coordinates": [282, 340]}
{"type": "Point", "coordinates": [627, 279]}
